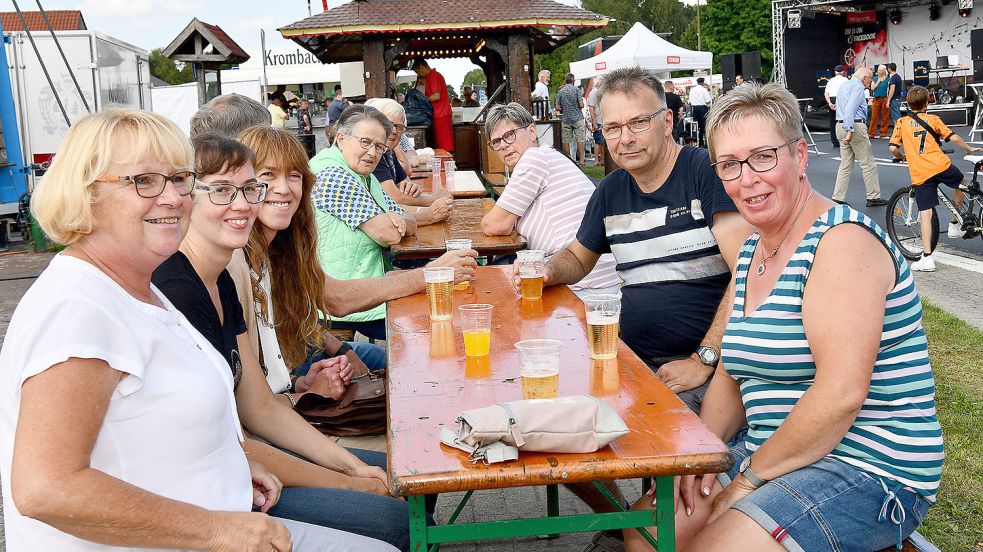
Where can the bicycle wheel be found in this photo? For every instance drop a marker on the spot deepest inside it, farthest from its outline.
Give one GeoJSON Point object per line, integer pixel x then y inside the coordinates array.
{"type": "Point", "coordinates": [903, 225]}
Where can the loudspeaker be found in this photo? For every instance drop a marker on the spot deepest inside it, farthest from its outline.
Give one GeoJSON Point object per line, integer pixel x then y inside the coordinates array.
{"type": "Point", "coordinates": [729, 68]}
{"type": "Point", "coordinates": [751, 66]}
{"type": "Point", "coordinates": [978, 70]}
{"type": "Point", "coordinates": [976, 43]}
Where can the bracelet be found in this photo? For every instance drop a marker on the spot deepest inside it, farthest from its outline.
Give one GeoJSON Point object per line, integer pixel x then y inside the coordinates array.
{"type": "Point", "coordinates": [343, 350]}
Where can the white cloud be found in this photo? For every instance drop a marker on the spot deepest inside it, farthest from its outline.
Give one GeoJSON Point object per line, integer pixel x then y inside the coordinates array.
{"type": "Point", "coordinates": [133, 8]}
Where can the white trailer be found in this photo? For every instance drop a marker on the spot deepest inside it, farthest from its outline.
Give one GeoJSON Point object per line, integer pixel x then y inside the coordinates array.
{"type": "Point", "coordinates": [111, 73]}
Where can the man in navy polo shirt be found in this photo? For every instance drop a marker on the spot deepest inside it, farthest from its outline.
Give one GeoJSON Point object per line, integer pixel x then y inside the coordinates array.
{"type": "Point", "coordinates": [674, 233]}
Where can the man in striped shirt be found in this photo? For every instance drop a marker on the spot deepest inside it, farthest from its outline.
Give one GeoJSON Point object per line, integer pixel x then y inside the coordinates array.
{"type": "Point", "coordinates": [674, 233]}
{"type": "Point", "coordinates": [546, 195]}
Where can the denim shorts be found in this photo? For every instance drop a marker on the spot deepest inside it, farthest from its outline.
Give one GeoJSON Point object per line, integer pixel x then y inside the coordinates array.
{"type": "Point", "coordinates": [829, 505]}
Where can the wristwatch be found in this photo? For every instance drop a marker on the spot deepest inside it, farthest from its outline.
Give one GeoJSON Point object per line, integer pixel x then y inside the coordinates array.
{"type": "Point", "coordinates": [708, 355]}
{"type": "Point", "coordinates": [751, 477]}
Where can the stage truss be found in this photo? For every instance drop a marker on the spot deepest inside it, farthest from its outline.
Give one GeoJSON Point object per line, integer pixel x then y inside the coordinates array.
{"type": "Point", "coordinates": [779, 22]}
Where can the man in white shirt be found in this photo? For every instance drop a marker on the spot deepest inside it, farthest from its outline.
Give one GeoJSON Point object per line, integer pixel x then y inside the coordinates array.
{"type": "Point", "coordinates": [832, 87]}
{"type": "Point", "coordinates": [542, 90]}
{"type": "Point", "coordinates": [700, 99]}
{"type": "Point", "coordinates": [276, 112]}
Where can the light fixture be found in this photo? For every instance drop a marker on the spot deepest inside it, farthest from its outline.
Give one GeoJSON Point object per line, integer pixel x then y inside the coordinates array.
{"type": "Point", "coordinates": [965, 7]}
{"type": "Point", "coordinates": [934, 12]}
{"type": "Point", "coordinates": [895, 16]}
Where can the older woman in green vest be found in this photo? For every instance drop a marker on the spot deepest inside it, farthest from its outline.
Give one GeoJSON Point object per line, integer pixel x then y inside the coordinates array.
{"type": "Point", "coordinates": [356, 218]}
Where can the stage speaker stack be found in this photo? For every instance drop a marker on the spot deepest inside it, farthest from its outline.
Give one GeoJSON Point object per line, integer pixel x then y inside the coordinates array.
{"type": "Point", "coordinates": [976, 46]}
{"type": "Point", "coordinates": [751, 66]}
{"type": "Point", "coordinates": [729, 70]}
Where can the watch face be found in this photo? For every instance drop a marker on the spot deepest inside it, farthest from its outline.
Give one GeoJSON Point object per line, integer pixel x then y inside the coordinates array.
{"type": "Point", "coordinates": [708, 355]}
{"type": "Point", "coordinates": [744, 464]}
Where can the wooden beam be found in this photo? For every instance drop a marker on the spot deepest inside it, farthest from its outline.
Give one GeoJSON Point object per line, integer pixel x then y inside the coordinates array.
{"type": "Point", "coordinates": [518, 60]}
{"type": "Point", "coordinates": [375, 66]}
{"type": "Point", "coordinates": [217, 58]}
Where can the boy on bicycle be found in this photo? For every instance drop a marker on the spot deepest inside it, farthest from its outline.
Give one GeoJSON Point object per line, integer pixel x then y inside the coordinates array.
{"type": "Point", "coordinates": [921, 135]}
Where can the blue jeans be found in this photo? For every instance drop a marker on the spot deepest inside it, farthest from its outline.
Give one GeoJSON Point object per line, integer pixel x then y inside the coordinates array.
{"type": "Point", "coordinates": [379, 517]}
{"type": "Point", "coordinates": [373, 356]}
{"type": "Point", "coordinates": [829, 505]}
{"type": "Point", "coordinates": [895, 105]}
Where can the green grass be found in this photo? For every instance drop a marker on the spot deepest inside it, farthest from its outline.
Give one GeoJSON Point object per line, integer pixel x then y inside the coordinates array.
{"type": "Point", "coordinates": [955, 523]}
{"type": "Point", "coordinates": [596, 173]}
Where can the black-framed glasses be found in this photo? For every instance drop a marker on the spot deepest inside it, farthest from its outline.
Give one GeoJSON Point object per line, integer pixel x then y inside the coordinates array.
{"type": "Point", "coordinates": [759, 161]}
{"type": "Point", "coordinates": [504, 140]}
{"type": "Point", "coordinates": [367, 145]}
{"type": "Point", "coordinates": [150, 185]}
{"type": "Point", "coordinates": [224, 194]}
{"type": "Point", "coordinates": [636, 126]}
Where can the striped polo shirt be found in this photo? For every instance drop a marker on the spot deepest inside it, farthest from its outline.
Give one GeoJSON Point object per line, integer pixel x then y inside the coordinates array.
{"type": "Point", "coordinates": [665, 251]}
{"type": "Point", "coordinates": [896, 434]}
{"type": "Point", "coordinates": [549, 194]}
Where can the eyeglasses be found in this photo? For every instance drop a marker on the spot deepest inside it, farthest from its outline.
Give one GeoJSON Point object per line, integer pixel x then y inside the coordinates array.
{"type": "Point", "coordinates": [399, 129]}
{"type": "Point", "coordinates": [759, 161]}
{"type": "Point", "coordinates": [150, 185]}
{"type": "Point", "coordinates": [224, 194]}
{"type": "Point", "coordinates": [504, 140]}
{"type": "Point", "coordinates": [636, 126]}
{"type": "Point", "coordinates": [367, 145]}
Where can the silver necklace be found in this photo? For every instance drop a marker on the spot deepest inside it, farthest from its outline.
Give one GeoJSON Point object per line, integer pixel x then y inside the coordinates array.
{"type": "Point", "coordinates": [762, 267]}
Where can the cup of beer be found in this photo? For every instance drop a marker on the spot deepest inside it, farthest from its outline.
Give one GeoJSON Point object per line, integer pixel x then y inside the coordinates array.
{"type": "Point", "coordinates": [476, 324]}
{"type": "Point", "coordinates": [457, 245]}
{"type": "Point", "coordinates": [603, 323]}
{"type": "Point", "coordinates": [531, 263]}
{"type": "Point", "coordinates": [440, 281]}
{"type": "Point", "coordinates": [539, 368]}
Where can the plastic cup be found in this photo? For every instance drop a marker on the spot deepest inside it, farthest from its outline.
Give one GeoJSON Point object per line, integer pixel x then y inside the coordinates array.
{"type": "Point", "coordinates": [440, 282]}
{"type": "Point", "coordinates": [476, 325]}
{"type": "Point", "coordinates": [449, 167]}
{"type": "Point", "coordinates": [603, 325]}
{"type": "Point", "coordinates": [458, 245]}
{"type": "Point", "coordinates": [531, 263]}
{"type": "Point", "coordinates": [539, 368]}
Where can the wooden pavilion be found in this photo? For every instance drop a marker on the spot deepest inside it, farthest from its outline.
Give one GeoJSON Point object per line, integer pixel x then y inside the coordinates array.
{"type": "Point", "coordinates": [499, 36]}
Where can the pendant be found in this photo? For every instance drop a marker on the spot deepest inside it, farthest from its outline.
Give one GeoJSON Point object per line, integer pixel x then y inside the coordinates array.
{"type": "Point", "coordinates": [761, 268]}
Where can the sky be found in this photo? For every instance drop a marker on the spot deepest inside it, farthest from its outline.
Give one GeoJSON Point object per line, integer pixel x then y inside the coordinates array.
{"type": "Point", "coordinates": [151, 24]}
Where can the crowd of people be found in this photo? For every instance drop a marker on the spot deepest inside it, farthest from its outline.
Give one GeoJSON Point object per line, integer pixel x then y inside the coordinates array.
{"type": "Point", "coordinates": [155, 363]}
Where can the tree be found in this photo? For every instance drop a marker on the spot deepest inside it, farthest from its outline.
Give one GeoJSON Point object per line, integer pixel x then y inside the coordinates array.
{"type": "Point", "coordinates": [451, 94]}
{"type": "Point", "coordinates": [474, 76]}
{"type": "Point", "coordinates": [735, 26]}
{"type": "Point", "coordinates": [166, 70]}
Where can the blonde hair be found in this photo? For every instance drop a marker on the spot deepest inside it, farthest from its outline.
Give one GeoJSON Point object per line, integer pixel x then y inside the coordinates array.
{"type": "Point", "coordinates": [62, 202]}
{"type": "Point", "coordinates": [771, 102]}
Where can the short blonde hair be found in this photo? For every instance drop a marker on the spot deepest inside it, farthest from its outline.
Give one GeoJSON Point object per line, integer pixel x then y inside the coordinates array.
{"type": "Point", "coordinates": [771, 102]}
{"type": "Point", "coordinates": [62, 202]}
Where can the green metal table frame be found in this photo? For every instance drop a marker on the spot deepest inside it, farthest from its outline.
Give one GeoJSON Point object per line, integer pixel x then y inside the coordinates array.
{"type": "Point", "coordinates": [424, 538]}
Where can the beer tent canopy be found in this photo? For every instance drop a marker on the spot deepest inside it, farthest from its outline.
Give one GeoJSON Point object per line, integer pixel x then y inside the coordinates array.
{"type": "Point", "coordinates": [642, 47]}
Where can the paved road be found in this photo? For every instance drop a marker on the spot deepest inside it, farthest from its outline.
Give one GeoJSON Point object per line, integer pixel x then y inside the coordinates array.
{"type": "Point", "coordinates": [822, 174]}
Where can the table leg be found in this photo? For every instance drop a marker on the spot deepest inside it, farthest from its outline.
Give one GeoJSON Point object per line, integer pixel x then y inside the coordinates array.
{"type": "Point", "coordinates": [665, 517]}
{"type": "Point", "coordinates": [418, 523]}
{"type": "Point", "coordinates": [552, 505]}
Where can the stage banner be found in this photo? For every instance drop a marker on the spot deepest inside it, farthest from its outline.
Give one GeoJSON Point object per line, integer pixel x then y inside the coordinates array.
{"type": "Point", "coordinates": [866, 38]}
{"type": "Point", "coordinates": [921, 73]}
{"type": "Point", "coordinates": [822, 77]}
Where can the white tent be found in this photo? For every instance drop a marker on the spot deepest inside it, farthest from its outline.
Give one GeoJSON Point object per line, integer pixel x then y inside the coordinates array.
{"type": "Point", "coordinates": [645, 49]}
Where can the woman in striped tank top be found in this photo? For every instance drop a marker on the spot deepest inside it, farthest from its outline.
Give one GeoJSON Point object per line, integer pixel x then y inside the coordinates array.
{"type": "Point", "coordinates": [826, 393]}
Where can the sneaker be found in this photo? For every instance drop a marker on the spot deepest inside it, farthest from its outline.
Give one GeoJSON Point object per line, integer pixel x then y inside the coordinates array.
{"type": "Point", "coordinates": [603, 542]}
{"type": "Point", "coordinates": [876, 202]}
{"type": "Point", "coordinates": [925, 264]}
{"type": "Point", "coordinates": [955, 230]}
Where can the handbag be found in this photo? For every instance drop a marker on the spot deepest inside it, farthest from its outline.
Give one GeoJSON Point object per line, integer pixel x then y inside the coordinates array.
{"type": "Point", "coordinates": [359, 412]}
{"type": "Point", "coordinates": [496, 433]}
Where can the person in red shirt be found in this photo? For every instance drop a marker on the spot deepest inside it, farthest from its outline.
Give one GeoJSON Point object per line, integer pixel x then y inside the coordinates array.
{"type": "Point", "coordinates": [436, 91]}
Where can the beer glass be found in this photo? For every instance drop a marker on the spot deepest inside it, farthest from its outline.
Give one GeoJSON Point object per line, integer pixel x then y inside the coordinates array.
{"type": "Point", "coordinates": [539, 368]}
{"type": "Point", "coordinates": [603, 323]}
{"type": "Point", "coordinates": [476, 324]}
{"type": "Point", "coordinates": [530, 263]}
{"type": "Point", "coordinates": [456, 245]}
{"type": "Point", "coordinates": [439, 291]}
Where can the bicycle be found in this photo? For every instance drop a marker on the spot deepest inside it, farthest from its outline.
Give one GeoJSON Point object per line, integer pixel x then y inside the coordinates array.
{"type": "Point", "coordinates": [904, 227]}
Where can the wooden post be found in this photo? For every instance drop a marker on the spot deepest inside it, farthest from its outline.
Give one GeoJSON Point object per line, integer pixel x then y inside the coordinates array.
{"type": "Point", "coordinates": [518, 73]}
{"type": "Point", "coordinates": [202, 86]}
{"type": "Point", "coordinates": [375, 66]}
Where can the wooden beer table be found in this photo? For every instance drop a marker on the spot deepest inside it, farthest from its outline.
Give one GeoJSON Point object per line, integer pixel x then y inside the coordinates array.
{"type": "Point", "coordinates": [431, 382]}
{"type": "Point", "coordinates": [464, 223]}
{"type": "Point", "coordinates": [464, 185]}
